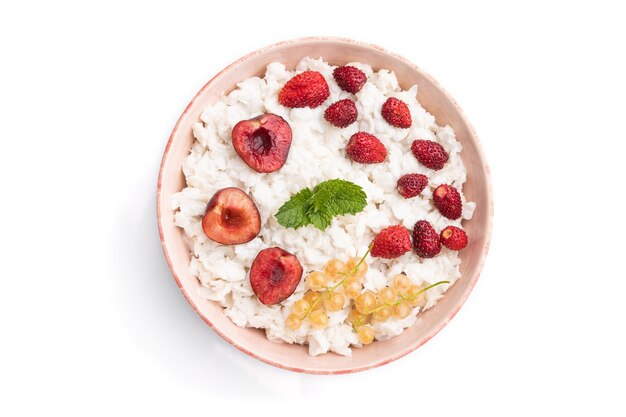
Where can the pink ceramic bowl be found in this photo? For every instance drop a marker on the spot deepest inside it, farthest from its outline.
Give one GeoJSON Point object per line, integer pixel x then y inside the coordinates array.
{"type": "Point", "coordinates": [434, 99]}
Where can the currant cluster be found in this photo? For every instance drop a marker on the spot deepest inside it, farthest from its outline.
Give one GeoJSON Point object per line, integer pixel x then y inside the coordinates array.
{"type": "Point", "coordinates": [341, 282]}
{"type": "Point", "coordinates": [329, 290]}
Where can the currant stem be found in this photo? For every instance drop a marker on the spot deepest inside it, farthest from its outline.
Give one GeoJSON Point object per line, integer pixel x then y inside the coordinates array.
{"type": "Point", "coordinates": [313, 305]}
{"type": "Point", "coordinates": [352, 271]}
{"type": "Point", "coordinates": [401, 299]}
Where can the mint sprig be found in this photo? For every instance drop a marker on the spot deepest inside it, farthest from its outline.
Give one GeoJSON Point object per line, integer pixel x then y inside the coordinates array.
{"type": "Point", "coordinates": [319, 206]}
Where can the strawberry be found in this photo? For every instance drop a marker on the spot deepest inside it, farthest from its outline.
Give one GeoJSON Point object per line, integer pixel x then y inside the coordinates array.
{"type": "Point", "coordinates": [453, 238]}
{"type": "Point", "coordinates": [350, 79]}
{"type": "Point", "coordinates": [396, 113]}
{"type": "Point", "coordinates": [425, 240]}
{"type": "Point", "coordinates": [391, 242]}
{"type": "Point", "coordinates": [342, 113]}
{"type": "Point", "coordinates": [307, 89]}
{"type": "Point", "coordinates": [448, 201]}
{"type": "Point", "coordinates": [366, 149]}
{"type": "Point", "coordinates": [410, 185]}
{"type": "Point", "coordinates": [430, 154]}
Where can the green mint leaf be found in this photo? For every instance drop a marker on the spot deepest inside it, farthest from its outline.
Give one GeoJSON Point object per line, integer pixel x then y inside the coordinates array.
{"type": "Point", "coordinates": [320, 219]}
{"type": "Point", "coordinates": [294, 212]}
{"type": "Point", "coordinates": [339, 197]}
{"type": "Point", "coordinates": [318, 207]}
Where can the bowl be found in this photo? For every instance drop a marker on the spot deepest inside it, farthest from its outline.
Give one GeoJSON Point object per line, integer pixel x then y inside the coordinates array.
{"type": "Point", "coordinates": [477, 188]}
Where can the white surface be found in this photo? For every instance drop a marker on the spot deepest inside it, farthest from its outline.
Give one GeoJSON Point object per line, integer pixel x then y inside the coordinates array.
{"type": "Point", "coordinates": [91, 320]}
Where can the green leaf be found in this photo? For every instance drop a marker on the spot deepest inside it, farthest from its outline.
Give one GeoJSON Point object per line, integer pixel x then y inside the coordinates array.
{"type": "Point", "coordinates": [318, 207]}
{"type": "Point", "coordinates": [339, 197]}
{"type": "Point", "coordinates": [294, 212]}
{"type": "Point", "coordinates": [320, 219]}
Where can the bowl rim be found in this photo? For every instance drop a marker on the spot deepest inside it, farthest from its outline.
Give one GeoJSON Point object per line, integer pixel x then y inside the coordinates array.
{"type": "Point", "coordinates": [488, 190]}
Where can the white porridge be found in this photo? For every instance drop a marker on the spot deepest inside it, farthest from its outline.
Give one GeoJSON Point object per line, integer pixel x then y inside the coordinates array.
{"type": "Point", "coordinates": [317, 154]}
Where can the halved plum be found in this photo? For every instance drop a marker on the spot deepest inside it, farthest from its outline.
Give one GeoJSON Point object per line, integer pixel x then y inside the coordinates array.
{"type": "Point", "coordinates": [231, 217]}
{"type": "Point", "coordinates": [274, 275]}
{"type": "Point", "coordinates": [263, 142]}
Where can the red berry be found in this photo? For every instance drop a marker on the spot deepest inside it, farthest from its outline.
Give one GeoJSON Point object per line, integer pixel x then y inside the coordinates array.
{"type": "Point", "coordinates": [274, 275]}
{"type": "Point", "coordinates": [366, 149]}
{"type": "Point", "coordinates": [307, 89]}
{"type": "Point", "coordinates": [342, 113]}
{"type": "Point", "coordinates": [410, 185]}
{"type": "Point", "coordinates": [350, 79]}
{"type": "Point", "coordinates": [448, 201]}
{"type": "Point", "coordinates": [425, 240]}
{"type": "Point", "coordinates": [391, 242]}
{"type": "Point", "coordinates": [429, 153]}
{"type": "Point", "coordinates": [263, 142]}
{"type": "Point", "coordinates": [396, 113]}
{"type": "Point", "coordinates": [453, 238]}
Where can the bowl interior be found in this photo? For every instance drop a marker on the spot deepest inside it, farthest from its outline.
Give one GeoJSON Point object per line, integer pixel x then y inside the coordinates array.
{"type": "Point", "coordinates": [477, 188]}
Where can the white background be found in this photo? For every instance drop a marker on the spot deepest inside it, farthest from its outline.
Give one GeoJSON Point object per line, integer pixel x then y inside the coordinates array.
{"type": "Point", "coordinates": [91, 320]}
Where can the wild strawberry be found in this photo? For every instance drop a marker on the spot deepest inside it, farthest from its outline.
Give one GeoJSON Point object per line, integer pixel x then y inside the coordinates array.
{"type": "Point", "coordinates": [396, 113]}
{"type": "Point", "coordinates": [410, 185]}
{"type": "Point", "coordinates": [391, 242]}
{"type": "Point", "coordinates": [430, 154]}
{"type": "Point", "coordinates": [448, 201]}
{"type": "Point", "coordinates": [425, 240]}
{"type": "Point", "coordinates": [350, 79]}
{"type": "Point", "coordinates": [366, 149]}
{"type": "Point", "coordinates": [342, 113]}
{"type": "Point", "coordinates": [307, 89]}
{"type": "Point", "coordinates": [453, 238]}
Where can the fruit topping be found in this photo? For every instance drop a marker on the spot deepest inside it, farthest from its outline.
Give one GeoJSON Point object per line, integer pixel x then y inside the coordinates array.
{"type": "Point", "coordinates": [387, 295]}
{"type": "Point", "coordinates": [263, 142]}
{"type": "Point", "coordinates": [328, 292]}
{"type": "Point", "coordinates": [350, 79]}
{"type": "Point", "coordinates": [357, 319]}
{"type": "Point", "coordinates": [382, 314]}
{"type": "Point", "coordinates": [366, 334]}
{"type": "Point", "coordinates": [317, 281]}
{"type": "Point", "coordinates": [391, 242]}
{"type": "Point", "coordinates": [396, 113]}
{"type": "Point", "coordinates": [448, 201]}
{"type": "Point", "coordinates": [335, 267]}
{"type": "Point", "coordinates": [430, 154]}
{"type": "Point", "coordinates": [401, 310]}
{"type": "Point", "coordinates": [334, 302]}
{"type": "Point", "coordinates": [453, 238]}
{"type": "Point", "coordinates": [352, 287]}
{"type": "Point", "coordinates": [425, 240]}
{"type": "Point", "coordinates": [312, 297]}
{"type": "Point", "coordinates": [307, 89]}
{"type": "Point", "coordinates": [231, 217]}
{"type": "Point", "coordinates": [401, 283]}
{"type": "Point", "coordinates": [358, 268]}
{"type": "Point", "coordinates": [319, 319]}
{"type": "Point", "coordinates": [293, 322]}
{"type": "Point", "coordinates": [410, 185]}
{"type": "Point", "coordinates": [300, 307]}
{"type": "Point", "coordinates": [366, 149]}
{"type": "Point", "coordinates": [366, 302]}
{"type": "Point", "coordinates": [417, 295]}
{"type": "Point", "coordinates": [274, 275]}
{"type": "Point", "coordinates": [341, 113]}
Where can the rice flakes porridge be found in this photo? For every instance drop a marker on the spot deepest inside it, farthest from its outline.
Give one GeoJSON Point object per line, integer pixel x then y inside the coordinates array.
{"type": "Point", "coordinates": [317, 154]}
